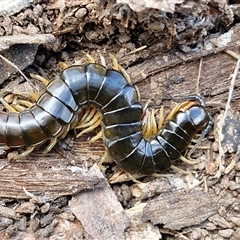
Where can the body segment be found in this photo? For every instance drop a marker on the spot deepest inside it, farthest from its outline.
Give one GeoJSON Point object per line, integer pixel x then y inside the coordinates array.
{"type": "Point", "coordinates": [118, 102]}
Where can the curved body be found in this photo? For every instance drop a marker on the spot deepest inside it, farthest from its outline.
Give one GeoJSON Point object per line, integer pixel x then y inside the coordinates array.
{"type": "Point", "coordinates": [117, 101]}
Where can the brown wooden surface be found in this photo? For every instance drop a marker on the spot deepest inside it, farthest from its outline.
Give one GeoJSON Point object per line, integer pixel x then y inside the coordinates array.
{"type": "Point", "coordinates": [60, 195]}
{"type": "Point", "coordinates": [51, 173]}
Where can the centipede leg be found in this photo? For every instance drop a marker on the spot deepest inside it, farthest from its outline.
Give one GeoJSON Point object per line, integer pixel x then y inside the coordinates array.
{"type": "Point", "coordinates": [6, 104]}
{"type": "Point", "coordinates": [62, 65]}
{"type": "Point", "coordinates": [103, 159]}
{"type": "Point", "coordinates": [177, 169]}
{"type": "Point", "coordinates": [53, 141]}
{"type": "Point", "coordinates": [96, 137]}
{"type": "Point", "coordinates": [88, 122]}
{"type": "Point", "coordinates": [149, 124]}
{"type": "Point", "coordinates": [89, 58]}
{"type": "Point", "coordinates": [50, 146]}
{"type": "Point", "coordinates": [121, 176]}
{"type": "Point", "coordinates": [40, 78]}
{"type": "Point", "coordinates": [19, 105]}
{"type": "Point", "coordinates": [184, 159]}
{"type": "Point", "coordinates": [118, 67]}
{"type": "Point", "coordinates": [25, 153]}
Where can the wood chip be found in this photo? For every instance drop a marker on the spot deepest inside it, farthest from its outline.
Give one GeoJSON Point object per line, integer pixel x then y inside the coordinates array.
{"type": "Point", "coordinates": [139, 229]}
{"type": "Point", "coordinates": [42, 177]}
{"type": "Point", "coordinates": [100, 212]}
{"type": "Point", "coordinates": [7, 41]}
{"type": "Point", "coordinates": [168, 209]}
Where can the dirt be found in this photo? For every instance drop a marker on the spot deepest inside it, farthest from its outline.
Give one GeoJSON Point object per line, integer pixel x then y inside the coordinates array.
{"type": "Point", "coordinates": [169, 48]}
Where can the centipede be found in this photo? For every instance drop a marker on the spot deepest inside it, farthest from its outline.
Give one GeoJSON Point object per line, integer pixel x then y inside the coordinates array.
{"type": "Point", "coordinates": [117, 101]}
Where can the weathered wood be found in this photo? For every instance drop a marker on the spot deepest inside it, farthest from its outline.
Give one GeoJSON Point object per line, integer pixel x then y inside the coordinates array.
{"type": "Point", "coordinates": [51, 176]}
{"type": "Point", "coordinates": [176, 210]}
{"type": "Point", "coordinates": [176, 74]}
{"type": "Point", "coordinates": [159, 77]}
{"type": "Point", "coordinates": [140, 229]}
{"type": "Point", "coordinates": [103, 27]}
{"type": "Point", "coordinates": [100, 212]}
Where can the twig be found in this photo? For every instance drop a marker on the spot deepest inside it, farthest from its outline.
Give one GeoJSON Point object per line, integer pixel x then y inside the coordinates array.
{"type": "Point", "coordinates": [137, 50]}
{"type": "Point", "coordinates": [16, 67]}
{"type": "Point", "coordinates": [199, 75]}
{"type": "Point", "coordinates": [221, 123]}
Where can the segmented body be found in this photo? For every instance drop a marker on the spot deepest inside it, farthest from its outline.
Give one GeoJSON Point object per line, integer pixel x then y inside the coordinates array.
{"type": "Point", "coordinates": [117, 101]}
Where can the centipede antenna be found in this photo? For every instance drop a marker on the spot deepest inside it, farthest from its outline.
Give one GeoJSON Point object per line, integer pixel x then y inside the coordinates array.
{"type": "Point", "coordinates": [192, 97]}
{"type": "Point", "coordinates": [14, 66]}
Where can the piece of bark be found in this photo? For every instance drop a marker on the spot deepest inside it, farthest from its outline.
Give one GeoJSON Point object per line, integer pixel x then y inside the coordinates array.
{"type": "Point", "coordinates": [140, 229]}
{"type": "Point", "coordinates": [100, 212]}
{"type": "Point", "coordinates": [37, 39]}
{"type": "Point", "coordinates": [52, 179]}
{"type": "Point", "coordinates": [12, 7]}
{"type": "Point", "coordinates": [149, 189]}
{"type": "Point", "coordinates": [178, 210]}
{"type": "Point", "coordinates": [167, 75]}
{"type": "Point", "coordinates": [165, 6]}
{"type": "Point", "coordinates": [21, 51]}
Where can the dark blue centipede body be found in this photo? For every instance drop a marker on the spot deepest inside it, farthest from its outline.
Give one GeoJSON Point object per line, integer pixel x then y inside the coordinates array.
{"type": "Point", "coordinates": [117, 101]}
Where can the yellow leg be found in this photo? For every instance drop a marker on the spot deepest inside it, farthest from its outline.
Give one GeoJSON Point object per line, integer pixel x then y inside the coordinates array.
{"type": "Point", "coordinates": [89, 129]}
{"type": "Point", "coordinates": [25, 153]}
{"type": "Point", "coordinates": [29, 95]}
{"type": "Point", "coordinates": [25, 103]}
{"type": "Point", "coordinates": [121, 176]}
{"type": "Point", "coordinates": [118, 67]}
{"type": "Point", "coordinates": [94, 123]}
{"type": "Point", "coordinates": [90, 114]}
{"type": "Point", "coordinates": [18, 105]}
{"type": "Point", "coordinates": [6, 104]}
{"type": "Point", "coordinates": [84, 115]}
{"type": "Point", "coordinates": [65, 131]}
{"type": "Point", "coordinates": [177, 169]}
{"type": "Point", "coordinates": [150, 125]}
{"type": "Point", "coordinates": [40, 78]}
{"type": "Point", "coordinates": [184, 159]}
{"type": "Point", "coordinates": [103, 159]}
{"type": "Point", "coordinates": [96, 137]}
{"type": "Point", "coordinates": [52, 143]}
{"type": "Point", "coordinates": [89, 58]}
{"type": "Point", "coordinates": [89, 120]}
{"type": "Point", "coordinates": [180, 107]}
{"type": "Point", "coordinates": [62, 65]}
{"type": "Point", "coordinates": [160, 118]}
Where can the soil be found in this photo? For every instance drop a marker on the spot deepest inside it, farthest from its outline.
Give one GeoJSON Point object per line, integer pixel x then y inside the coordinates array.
{"type": "Point", "coordinates": [170, 49]}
